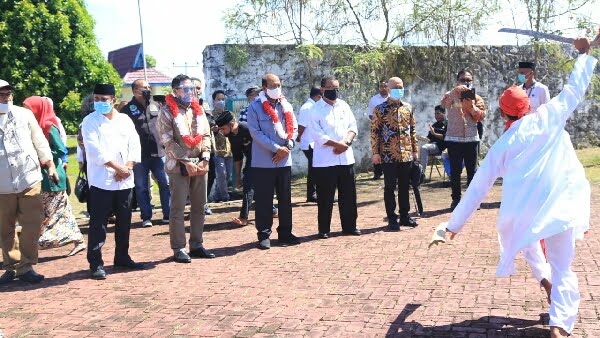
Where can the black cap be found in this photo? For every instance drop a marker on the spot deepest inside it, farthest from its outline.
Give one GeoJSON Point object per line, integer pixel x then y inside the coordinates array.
{"type": "Point", "coordinates": [252, 90]}
{"type": "Point", "coordinates": [224, 118]}
{"type": "Point", "coordinates": [527, 64]}
{"type": "Point", "coordinates": [105, 89]}
{"type": "Point", "coordinates": [159, 98]}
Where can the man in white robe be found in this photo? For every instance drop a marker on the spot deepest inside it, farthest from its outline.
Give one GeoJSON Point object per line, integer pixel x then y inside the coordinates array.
{"type": "Point", "coordinates": [545, 194]}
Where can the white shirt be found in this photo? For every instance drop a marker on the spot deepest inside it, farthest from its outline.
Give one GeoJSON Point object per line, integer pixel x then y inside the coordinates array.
{"type": "Point", "coordinates": [376, 100]}
{"type": "Point", "coordinates": [303, 120]}
{"type": "Point", "coordinates": [538, 95]}
{"type": "Point", "coordinates": [544, 189]}
{"type": "Point", "coordinates": [109, 140]}
{"type": "Point", "coordinates": [331, 123]}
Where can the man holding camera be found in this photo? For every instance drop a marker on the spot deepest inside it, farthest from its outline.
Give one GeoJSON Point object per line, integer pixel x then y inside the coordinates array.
{"type": "Point", "coordinates": [464, 109]}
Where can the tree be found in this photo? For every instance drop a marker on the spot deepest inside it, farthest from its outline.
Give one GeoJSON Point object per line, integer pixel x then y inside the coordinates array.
{"type": "Point", "coordinates": [150, 61]}
{"type": "Point", "coordinates": [49, 49]}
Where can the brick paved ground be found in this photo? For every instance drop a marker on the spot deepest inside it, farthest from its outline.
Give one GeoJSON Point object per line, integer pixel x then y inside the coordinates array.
{"type": "Point", "coordinates": [382, 283]}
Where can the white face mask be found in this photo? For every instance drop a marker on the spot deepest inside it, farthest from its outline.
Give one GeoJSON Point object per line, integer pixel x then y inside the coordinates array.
{"type": "Point", "coordinates": [274, 93]}
{"type": "Point", "coordinates": [5, 107]}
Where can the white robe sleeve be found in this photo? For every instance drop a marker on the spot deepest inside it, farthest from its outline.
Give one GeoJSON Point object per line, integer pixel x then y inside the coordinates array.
{"type": "Point", "coordinates": [555, 113]}
{"type": "Point", "coordinates": [491, 168]}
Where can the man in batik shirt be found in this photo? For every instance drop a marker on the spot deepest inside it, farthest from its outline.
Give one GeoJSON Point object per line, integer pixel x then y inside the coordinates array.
{"type": "Point", "coordinates": [394, 145]}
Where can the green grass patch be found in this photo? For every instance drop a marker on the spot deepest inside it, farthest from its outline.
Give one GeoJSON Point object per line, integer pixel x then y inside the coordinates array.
{"type": "Point", "coordinates": [590, 158]}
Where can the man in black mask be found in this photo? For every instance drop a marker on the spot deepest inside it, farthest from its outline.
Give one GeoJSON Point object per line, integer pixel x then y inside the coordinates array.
{"type": "Point", "coordinates": [144, 114]}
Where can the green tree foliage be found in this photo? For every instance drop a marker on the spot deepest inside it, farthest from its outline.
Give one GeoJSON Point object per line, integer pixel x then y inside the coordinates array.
{"type": "Point", "coordinates": [49, 48]}
{"type": "Point", "coordinates": [150, 61]}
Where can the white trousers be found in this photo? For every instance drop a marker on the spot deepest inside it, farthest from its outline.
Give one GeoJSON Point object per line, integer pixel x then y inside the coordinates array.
{"type": "Point", "coordinates": [534, 255]}
{"type": "Point", "coordinates": [564, 298]}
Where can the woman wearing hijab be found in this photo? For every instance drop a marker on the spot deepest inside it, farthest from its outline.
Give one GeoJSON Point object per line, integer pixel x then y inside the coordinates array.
{"type": "Point", "coordinates": [60, 226]}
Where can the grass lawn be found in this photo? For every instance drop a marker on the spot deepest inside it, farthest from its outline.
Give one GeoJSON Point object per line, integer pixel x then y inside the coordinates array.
{"type": "Point", "coordinates": [590, 158]}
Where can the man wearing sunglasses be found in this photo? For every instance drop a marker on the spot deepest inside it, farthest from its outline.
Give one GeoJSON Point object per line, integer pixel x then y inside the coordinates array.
{"type": "Point", "coordinates": [464, 110]}
{"type": "Point", "coordinates": [144, 114]}
{"type": "Point", "coordinates": [23, 147]}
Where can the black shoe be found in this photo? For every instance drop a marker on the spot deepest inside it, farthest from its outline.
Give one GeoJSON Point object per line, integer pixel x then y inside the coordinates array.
{"type": "Point", "coordinates": [129, 265]}
{"type": "Point", "coordinates": [454, 204]}
{"type": "Point", "coordinates": [31, 277]}
{"type": "Point", "coordinates": [98, 273]}
{"type": "Point", "coordinates": [323, 235]}
{"type": "Point", "coordinates": [376, 177]}
{"type": "Point", "coordinates": [201, 253]}
{"type": "Point", "coordinates": [312, 199]}
{"type": "Point", "coordinates": [354, 232]}
{"type": "Point", "coordinates": [182, 257]}
{"type": "Point", "coordinates": [264, 244]}
{"type": "Point", "coordinates": [289, 240]}
{"type": "Point", "coordinates": [408, 221]}
{"type": "Point", "coordinates": [207, 211]}
{"type": "Point", "coordinates": [7, 277]}
{"type": "Point", "coordinates": [394, 226]}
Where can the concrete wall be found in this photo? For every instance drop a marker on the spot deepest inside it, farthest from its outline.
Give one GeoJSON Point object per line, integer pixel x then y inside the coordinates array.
{"type": "Point", "coordinates": [494, 69]}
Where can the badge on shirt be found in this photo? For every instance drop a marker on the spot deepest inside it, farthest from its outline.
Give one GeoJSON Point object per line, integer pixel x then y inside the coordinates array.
{"type": "Point", "coordinates": [134, 110]}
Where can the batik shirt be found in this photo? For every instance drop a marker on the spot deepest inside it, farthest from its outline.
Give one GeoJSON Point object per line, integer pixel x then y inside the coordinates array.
{"type": "Point", "coordinates": [393, 134]}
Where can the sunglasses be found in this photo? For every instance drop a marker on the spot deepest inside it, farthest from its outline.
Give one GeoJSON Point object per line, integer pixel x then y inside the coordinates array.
{"type": "Point", "coordinates": [5, 95]}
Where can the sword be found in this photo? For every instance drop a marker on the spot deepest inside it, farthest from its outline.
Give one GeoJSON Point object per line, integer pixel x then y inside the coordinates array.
{"type": "Point", "coordinates": [547, 36]}
{"type": "Point", "coordinates": [538, 35]}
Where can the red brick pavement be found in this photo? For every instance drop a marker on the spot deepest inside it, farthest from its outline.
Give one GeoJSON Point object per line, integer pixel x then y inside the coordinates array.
{"type": "Point", "coordinates": [382, 283]}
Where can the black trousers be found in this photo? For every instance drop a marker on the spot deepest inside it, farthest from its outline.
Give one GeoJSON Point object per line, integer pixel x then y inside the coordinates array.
{"type": "Point", "coordinates": [248, 192]}
{"type": "Point", "coordinates": [104, 203]}
{"type": "Point", "coordinates": [328, 179]}
{"type": "Point", "coordinates": [459, 152]}
{"type": "Point", "coordinates": [265, 180]}
{"type": "Point", "coordinates": [377, 170]}
{"type": "Point", "coordinates": [211, 173]}
{"type": "Point", "coordinates": [311, 187]}
{"type": "Point", "coordinates": [396, 175]}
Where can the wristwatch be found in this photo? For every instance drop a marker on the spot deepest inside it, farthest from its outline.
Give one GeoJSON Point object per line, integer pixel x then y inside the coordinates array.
{"type": "Point", "coordinates": [207, 159]}
{"type": "Point", "coordinates": [290, 144]}
{"type": "Point", "coordinates": [348, 143]}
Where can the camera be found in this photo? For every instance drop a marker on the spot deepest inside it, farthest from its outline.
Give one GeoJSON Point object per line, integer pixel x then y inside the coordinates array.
{"type": "Point", "coordinates": [468, 94]}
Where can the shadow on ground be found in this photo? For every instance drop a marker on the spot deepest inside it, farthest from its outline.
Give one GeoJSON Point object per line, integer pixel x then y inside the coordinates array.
{"type": "Point", "coordinates": [488, 326]}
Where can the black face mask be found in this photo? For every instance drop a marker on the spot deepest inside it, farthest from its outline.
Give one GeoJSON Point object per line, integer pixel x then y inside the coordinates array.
{"type": "Point", "coordinates": [146, 94]}
{"type": "Point", "coordinates": [331, 94]}
{"type": "Point", "coordinates": [201, 101]}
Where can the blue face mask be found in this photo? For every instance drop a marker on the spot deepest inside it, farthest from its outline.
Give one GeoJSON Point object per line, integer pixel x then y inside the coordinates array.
{"type": "Point", "coordinates": [220, 105]}
{"type": "Point", "coordinates": [186, 99]}
{"type": "Point", "coordinates": [521, 78]}
{"type": "Point", "coordinates": [103, 107]}
{"type": "Point", "coordinates": [397, 93]}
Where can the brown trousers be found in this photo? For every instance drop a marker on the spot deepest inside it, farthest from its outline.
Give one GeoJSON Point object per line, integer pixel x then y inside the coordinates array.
{"type": "Point", "coordinates": [25, 207]}
{"type": "Point", "coordinates": [182, 187]}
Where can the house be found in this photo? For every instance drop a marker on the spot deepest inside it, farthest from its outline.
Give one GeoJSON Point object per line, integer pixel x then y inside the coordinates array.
{"type": "Point", "coordinates": [129, 63]}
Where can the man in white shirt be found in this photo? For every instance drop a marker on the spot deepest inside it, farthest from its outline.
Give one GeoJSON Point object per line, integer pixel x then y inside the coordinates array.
{"type": "Point", "coordinates": [24, 150]}
{"type": "Point", "coordinates": [537, 92]}
{"type": "Point", "coordinates": [377, 99]}
{"type": "Point", "coordinates": [112, 148]}
{"type": "Point", "coordinates": [333, 129]}
{"type": "Point", "coordinates": [306, 145]}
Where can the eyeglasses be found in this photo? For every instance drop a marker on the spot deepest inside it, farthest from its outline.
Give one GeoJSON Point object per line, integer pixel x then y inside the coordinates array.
{"type": "Point", "coordinates": [186, 89]}
{"type": "Point", "coordinates": [465, 81]}
{"type": "Point", "coordinates": [5, 95]}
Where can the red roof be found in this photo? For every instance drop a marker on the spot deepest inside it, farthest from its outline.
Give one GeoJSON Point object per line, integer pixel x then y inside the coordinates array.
{"type": "Point", "coordinates": [154, 76]}
{"type": "Point", "coordinates": [124, 59]}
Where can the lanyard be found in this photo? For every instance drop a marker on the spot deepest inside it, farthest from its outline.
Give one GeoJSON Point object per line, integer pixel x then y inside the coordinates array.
{"type": "Point", "coordinates": [530, 89]}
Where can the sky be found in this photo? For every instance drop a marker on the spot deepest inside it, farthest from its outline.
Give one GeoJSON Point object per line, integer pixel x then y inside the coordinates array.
{"type": "Point", "coordinates": [177, 31]}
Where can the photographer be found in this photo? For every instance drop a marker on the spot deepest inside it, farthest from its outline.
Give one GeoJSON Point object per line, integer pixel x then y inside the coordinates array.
{"type": "Point", "coordinates": [464, 109]}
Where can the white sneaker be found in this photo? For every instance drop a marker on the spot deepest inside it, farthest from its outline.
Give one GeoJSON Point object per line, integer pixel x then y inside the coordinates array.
{"type": "Point", "coordinates": [147, 223]}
